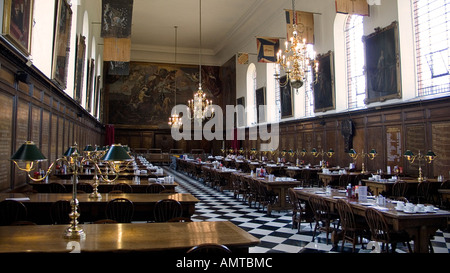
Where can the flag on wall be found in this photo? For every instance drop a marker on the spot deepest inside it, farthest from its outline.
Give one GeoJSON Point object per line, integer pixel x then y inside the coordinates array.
{"type": "Point", "coordinates": [242, 58]}
{"type": "Point", "coordinates": [360, 7]}
{"type": "Point", "coordinates": [267, 49]}
{"type": "Point", "coordinates": [116, 34]}
{"type": "Point", "coordinates": [305, 25]}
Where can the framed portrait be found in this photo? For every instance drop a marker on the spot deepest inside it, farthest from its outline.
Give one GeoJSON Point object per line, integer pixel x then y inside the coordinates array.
{"type": "Point", "coordinates": [286, 99]}
{"type": "Point", "coordinates": [382, 64]}
{"type": "Point", "coordinates": [79, 67]}
{"type": "Point", "coordinates": [241, 114]}
{"type": "Point", "coordinates": [17, 23]}
{"type": "Point", "coordinates": [90, 84]}
{"type": "Point", "coordinates": [260, 100]}
{"type": "Point", "coordinates": [61, 47]}
{"type": "Point", "coordinates": [324, 94]}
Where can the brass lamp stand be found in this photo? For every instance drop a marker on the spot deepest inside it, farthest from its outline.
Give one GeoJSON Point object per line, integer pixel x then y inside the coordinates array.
{"type": "Point", "coordinates": [371, 155]}
{"type": "Point", "coordinates": [428, 157]}
{"type": "Point", "coordinates": [315, 153]}
{"type": "Point", "coordinates": [30, 155]}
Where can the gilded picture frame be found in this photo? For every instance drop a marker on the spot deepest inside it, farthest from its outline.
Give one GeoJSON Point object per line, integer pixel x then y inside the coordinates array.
{"type": "Point", "coordinates": [18, 23]}
{"type": "Point", "coordinates": [286, 99]}
{"type": "Point", "coordinates": [382, 53]}
{"type": "Point", "coordinates": [61, 47]}
{"type": "Point", "coordinates": [324, 92]}
{"type": "Point", "coordinates": [260, 94]}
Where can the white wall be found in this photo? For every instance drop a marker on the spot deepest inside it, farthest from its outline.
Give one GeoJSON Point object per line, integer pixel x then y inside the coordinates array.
{"type": "Point", "coordinates": [329, 35]}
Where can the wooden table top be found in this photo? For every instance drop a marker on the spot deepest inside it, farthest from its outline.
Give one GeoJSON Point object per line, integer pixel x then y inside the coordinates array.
{"type": "Point", "coordinates": [389, 210]}
{"type": "Point", "coordinates": [84, 197]}
{"type": "Point", "coordinates": [124, 237]}
{"type": "Point", "coordinates": [91, 181]}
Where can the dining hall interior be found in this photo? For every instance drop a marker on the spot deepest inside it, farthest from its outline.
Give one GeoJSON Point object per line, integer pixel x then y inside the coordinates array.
{"type": "Point", "coordinates": [236, 127]}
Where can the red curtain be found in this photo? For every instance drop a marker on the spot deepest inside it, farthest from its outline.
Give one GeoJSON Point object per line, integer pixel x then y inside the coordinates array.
{"type": "Point", "coordinates": [109, 138]}
{"type": "Point", "coordinates": [235, 144]}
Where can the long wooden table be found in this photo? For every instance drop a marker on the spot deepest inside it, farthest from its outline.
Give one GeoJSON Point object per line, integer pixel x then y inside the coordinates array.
{"type": "Point", "coordinates": [385, 186]}
{"type": "Point", "coordinates": [420, 226]}
{"type": "Point", "coordinates": [39, 204]}
{"type": "Point", "coordinates": [103, 187]}
{"type": "Point", "coordinates": [136, 237]}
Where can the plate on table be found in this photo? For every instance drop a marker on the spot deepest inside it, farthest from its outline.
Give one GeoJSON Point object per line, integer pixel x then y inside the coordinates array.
{"type": "Point", "coordinates": [319, 192]}
{"type": "Point", "coordinates": [366, 204]}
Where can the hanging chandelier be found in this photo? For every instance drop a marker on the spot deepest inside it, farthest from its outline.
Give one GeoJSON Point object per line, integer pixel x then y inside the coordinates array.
{"type": "Point", "coordinates": [296, 60]}
{"type": "Point", "coordinates": [175, 119]}
{"type": "Point", "coordinates": [200, 107]}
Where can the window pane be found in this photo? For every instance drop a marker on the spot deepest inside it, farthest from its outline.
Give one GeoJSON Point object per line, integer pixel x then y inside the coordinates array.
{"type": "Point", "coordinates": [356, 80]}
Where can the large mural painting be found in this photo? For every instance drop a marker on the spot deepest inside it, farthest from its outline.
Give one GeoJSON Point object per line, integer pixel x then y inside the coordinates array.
{"type": "Point", "coordinates": [146, 96]}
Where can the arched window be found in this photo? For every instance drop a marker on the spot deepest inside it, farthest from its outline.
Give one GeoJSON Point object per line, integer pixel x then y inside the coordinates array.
{"type": "Point", "coordinates": [356, 82]}
{"type": "Point", "coordinates": [251, 95]}
{"type": "Point", "coordinates": [432, 36]}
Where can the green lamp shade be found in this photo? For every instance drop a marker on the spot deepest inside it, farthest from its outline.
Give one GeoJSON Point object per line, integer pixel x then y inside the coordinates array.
{"type": "Point", "coordinates": [314, 150]}
{"type": "Point", "coordinates": [331, 151]}
{"type": "Point", "coordinates": [28, 152]}
{"type": "Point", "coordinates": [373, 151]}
{"type": "Point", "coordinates": [71, 150]}
{"type": "Point", "coordinates": [88, 148]}
{"type": "Point", "coordinates": [116, 153]}
{"type": "Point", "coordinates": [408, 153]}
{"type": "Point", "coordinates": [430, 154]}
{"type": "Point", "coordinates": [352, 151]}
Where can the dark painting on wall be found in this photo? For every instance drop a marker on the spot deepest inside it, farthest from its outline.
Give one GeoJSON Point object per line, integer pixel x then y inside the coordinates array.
{"type": "Point", "coordinates": [17, 23]}
{"type": "Point", "coordinates": [79, 67]}
{"type": "Point", "coordinates": [62, 43]}
{"type": "Point", "coordinates": [382, 64]}
{"type": "Point", "coordinates": [287, 101]}
{"type": "Point", "coordinates": [324, 94]}
{"type": "Point", "coordinates": [260, 100]}
{"type": "Point", "coordinates": [147, 95]}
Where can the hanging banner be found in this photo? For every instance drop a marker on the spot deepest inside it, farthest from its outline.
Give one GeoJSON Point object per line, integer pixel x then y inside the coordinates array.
{"type": "Point", "coordinates": [267, 49]}
{"type": "Point", "coordinates": [117, 18]}
{"type": "Point", "coordinates": [360, 7]}
{"type": "Point", "coordinates": [305, 25]}
{"type": "Point", "coordinates": [242, 58]}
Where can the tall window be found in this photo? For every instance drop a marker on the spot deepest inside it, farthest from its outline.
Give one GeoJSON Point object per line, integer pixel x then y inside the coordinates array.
{"type": "Point", "coordinates": [432, 31]}
{"type": "Point", "coordinates": [277, 96]}
{"type": "Point", "coordinates": [309, 95]}
{"type": "Point", "coordinates": [356, 81]}
{"type": "Point", "coordinates": [251, 96]}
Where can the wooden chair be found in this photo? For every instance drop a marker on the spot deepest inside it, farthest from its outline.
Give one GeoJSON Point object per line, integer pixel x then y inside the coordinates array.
{"type": "Point", "coordinates": [124, 187]}
{"type": "Point", "coordinates": [344, 179]}
{"type": "Point", "coordinates": [266, 197]}
{"type": "Point", "coordinates": [381, 232]}
{"type": "Point", "coordinates": [322, 215]}
{"type": "Point", "coordinates": [56, 187]}
{"type": "Point", "coordinates": [59, 212]}
{"type": "Point", "coordinates": [215, 249]}
{"type": "Point", "coordinates": [399, 189]}
{"type": "Point", "coordinates": [426, 192]}
{"type": "Point", "coordinates": [444, 203]}
{"type": "Point", "coordinates": [351, 228]}
{"type": "Point", "coordinates": [12, 211]}
{"type": "Point", "coordinates": [120, 210]}
{"type": "Point", "coordinates": [155, 188]}
{"type": "Point", "coordinates": [167, 209]}
{"type": "Point", "coordinates": [300, 211]}
{"type": "Point", "coordinates": [84, 188]}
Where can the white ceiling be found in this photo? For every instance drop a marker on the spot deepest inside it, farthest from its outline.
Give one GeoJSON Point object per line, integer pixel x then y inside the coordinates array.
{"type": "Point", "coordinates": [225, 23]}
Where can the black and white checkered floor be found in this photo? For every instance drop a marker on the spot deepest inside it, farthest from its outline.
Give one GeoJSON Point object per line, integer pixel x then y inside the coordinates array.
{"type": "Point", "coordinates": [273, 230]}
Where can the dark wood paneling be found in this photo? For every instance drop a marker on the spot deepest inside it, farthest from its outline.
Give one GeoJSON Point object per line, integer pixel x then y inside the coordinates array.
{"type": "Point", "coordinates": [37, 111]}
